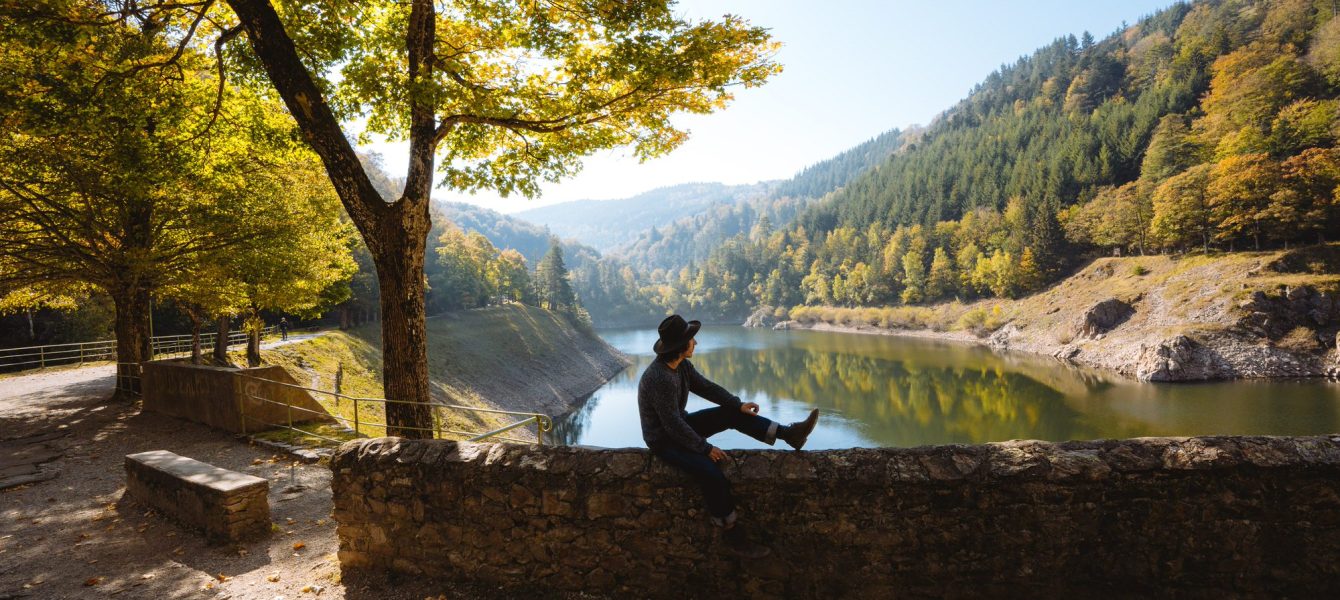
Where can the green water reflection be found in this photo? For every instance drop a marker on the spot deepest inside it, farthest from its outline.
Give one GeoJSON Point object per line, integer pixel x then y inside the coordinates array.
{"type": "Point", "coordinates": [889, 391]}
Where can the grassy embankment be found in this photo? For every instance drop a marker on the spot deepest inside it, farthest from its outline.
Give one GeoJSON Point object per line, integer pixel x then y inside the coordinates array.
{"type": "Point", "coordinates": [1197, 291]}
{"type": "Point", "coordinates": [512, 357]}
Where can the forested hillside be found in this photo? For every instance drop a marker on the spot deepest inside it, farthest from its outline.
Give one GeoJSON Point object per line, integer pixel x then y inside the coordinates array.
{"type": "Point", "coordinates": [468, 243]}
{"type": "Point", "coordinates": [1208, 126]}
{"type": "Point", "coordinates": [692, 239]}
{"type": "Point", "coordinates": [608, 224]}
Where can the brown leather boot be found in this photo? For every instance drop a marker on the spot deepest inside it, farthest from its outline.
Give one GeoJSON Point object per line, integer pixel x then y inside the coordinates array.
{"type": "Point", "coordinates": [796, 433]}
{"type": "Point", "coordinates": [738, 543]}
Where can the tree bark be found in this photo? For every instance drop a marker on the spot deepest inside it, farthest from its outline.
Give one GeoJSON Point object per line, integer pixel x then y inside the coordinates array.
{"type": "Point", "coordinates": [404, 338]}
{"type": "Point", "coordinates": [395, 233]}
{"type": "Point", "coordinates": [253, 328]}
{"type": "Point", "coordinates": [132, 337]}
{"type": "Point", "coordinates": [221, 342]}
{"type": "Point", "coordinates": [196, 354]}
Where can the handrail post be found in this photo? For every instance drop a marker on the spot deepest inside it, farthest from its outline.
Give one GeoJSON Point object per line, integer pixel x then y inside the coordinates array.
{"type": "Point", "coordinates": [42, 357]}
{"type": "Point", "coordinates": [356, 428]}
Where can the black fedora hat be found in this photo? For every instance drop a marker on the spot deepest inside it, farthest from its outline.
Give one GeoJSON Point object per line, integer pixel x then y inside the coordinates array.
{"type": "Point", "coordinates": [675, 334]}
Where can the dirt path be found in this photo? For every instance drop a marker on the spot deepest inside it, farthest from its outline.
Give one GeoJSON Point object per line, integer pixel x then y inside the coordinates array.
{"type": "Point", "coordinates": [75, 536]}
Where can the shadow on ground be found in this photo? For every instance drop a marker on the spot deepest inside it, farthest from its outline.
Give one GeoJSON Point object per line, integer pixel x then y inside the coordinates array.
{"type": "Point", "coordinates": [78, 536]}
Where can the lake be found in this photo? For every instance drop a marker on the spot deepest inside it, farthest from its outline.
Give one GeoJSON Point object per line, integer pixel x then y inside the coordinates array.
{"type": "Point", "coordinates": [876, 391]}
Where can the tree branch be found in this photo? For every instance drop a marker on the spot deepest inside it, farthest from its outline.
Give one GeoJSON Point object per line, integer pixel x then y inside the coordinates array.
{"type": "Point", "coordinates": [423, 118]}
{"type": "Point", "coordinates": [316, 120]}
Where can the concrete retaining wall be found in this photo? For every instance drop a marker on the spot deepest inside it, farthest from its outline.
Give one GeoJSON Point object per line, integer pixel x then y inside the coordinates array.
{"type": "Point", "coordinates": [1201, 517]}
{"type": "Point", "coordinates": [216, 396]}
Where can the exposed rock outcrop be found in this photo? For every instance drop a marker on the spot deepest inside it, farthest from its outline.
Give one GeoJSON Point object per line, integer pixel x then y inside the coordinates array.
{"type": "Point", "coordinates": [1194, 318]}
{"type": "Point", "coordinates": [763, 316]}
{"type": "Point", "coordinates": [1175, 359]}
{"type": "Point", "coordinates": [1103, 317]}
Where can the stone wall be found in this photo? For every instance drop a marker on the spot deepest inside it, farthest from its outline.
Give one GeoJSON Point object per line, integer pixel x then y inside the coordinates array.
{"type": "Point", "coordinates": [1204, 517]}
{"type": "Point", "coordinates": [219, 396]}
{"type": "Point", "coordinates": [226, 505]}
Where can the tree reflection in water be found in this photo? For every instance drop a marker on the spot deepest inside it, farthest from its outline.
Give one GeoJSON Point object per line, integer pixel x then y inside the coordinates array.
{"type": "Point", "coordinates": [883, 391]}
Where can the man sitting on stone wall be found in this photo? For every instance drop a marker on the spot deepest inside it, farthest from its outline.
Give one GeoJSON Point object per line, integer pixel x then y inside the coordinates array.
{"type": "Point", "coordinates": [680, 438]}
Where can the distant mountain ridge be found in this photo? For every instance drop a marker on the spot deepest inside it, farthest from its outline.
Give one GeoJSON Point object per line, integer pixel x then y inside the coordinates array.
{"type": "Point", "coordinates": [608, 224]}
{"type": "Point", "coordinates": [693, 238]}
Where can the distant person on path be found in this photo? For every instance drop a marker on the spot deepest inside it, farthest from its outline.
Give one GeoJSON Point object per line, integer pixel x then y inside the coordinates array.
{"type": "Point", "coordinates": [283, 328]}
{"type": "Point", "coordinates": [680, 438]}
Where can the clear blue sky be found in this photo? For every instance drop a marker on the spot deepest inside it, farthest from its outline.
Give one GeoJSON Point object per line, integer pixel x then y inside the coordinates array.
{"type": "Point", "coordinates": [853, 69]}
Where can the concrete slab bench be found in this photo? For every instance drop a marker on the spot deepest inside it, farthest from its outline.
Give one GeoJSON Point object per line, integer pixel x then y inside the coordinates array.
{"type": "Point", "coordinates": [228, 506]}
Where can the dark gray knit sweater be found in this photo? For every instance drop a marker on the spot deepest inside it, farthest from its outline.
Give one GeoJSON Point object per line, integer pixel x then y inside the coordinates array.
{"type": "Point", "coordinates": [662, 395]}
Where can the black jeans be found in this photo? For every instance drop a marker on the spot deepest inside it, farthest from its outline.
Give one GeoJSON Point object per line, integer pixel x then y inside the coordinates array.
{"type": "Point", "coordinates": [709, 422]}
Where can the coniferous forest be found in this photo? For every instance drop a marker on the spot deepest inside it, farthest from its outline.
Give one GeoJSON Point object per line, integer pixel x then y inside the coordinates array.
{"type": "Point", "coordinates": [1207, 127]}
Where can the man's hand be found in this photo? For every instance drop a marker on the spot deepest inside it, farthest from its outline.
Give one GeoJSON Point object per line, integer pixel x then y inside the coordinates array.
{"type": "Point", "coordinates": [749, 408]}
{"type": "Point", "coordinates": [716, 454]}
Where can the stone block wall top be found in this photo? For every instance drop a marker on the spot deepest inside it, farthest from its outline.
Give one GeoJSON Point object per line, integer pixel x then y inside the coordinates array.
{"type": "Point", "coordinates": [227, 506]}
{"type": "Point", "coordinates": [196, 472]}
{"type": "Point", "coordinates": [1223, 516]}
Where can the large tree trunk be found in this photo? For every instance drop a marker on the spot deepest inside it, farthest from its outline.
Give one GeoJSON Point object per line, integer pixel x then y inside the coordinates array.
{"type": "Point", "coordinates": [404, 340]}
{"type": "Point", "coordinates": [132, 337]}
{"type": "Point", "coordinates": [196, 354]}
{"type": "Point", "coordinates": [221, 342]}
{"type": "Point", "coordinates": [253, 328]}
{"type": "Point", "coordinates": [394, 233]}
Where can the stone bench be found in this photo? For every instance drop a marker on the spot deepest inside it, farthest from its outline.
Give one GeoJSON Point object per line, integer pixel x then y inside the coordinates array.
{"type": "Point", "coordinates": [228, 506]}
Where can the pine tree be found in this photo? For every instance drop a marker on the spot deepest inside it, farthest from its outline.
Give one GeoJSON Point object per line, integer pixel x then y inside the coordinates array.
{"type": "Point", "coordinates": [551, 278]}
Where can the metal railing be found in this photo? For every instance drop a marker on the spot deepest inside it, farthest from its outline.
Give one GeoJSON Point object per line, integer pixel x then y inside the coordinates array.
{"type": "Point", "coordinates": [128, 377]}
{"type": "Point", "coordinates": [164, 346]}
{"type": "Point", "coordinates": [357, 424]}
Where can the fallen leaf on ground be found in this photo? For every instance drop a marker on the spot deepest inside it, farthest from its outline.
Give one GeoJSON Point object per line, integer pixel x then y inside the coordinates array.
{"type": "Point", "coordinates": [91, 581]}
{"type": "Point", "coordinates": [273, 578]}
{"type": "Point", "coordinates": [299, 545]}
{"type": "Point", "coordinates": [222, 578]}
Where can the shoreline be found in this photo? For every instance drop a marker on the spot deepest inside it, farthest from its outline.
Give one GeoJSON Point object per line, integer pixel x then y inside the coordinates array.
{"type": "Point", "coordinates": [1270, 363]}
{"type": "Point", "coordinates": [1248, 315]}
